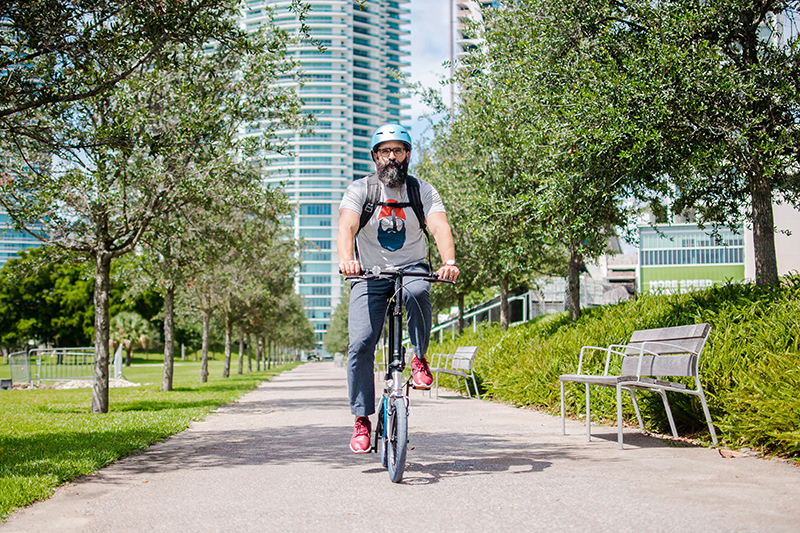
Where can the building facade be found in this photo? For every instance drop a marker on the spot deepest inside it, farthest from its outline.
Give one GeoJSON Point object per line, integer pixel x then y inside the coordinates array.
{"type": "Point", "coordinates": [13, 241]}
{"type": "Point", "coordinates": [682, 257]}
{"type": "Point", "coordinates": [350, 88]}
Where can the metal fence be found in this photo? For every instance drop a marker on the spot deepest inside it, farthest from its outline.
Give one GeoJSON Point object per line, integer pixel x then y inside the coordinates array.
{"type": "Point", "coordinates": [20, 364]}
{"type": "Point", "coordinates": [52, 364]}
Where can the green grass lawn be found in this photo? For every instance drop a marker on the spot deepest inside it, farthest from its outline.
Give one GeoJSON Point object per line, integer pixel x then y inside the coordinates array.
{"type": "Point", "coordinates": [48, 437]}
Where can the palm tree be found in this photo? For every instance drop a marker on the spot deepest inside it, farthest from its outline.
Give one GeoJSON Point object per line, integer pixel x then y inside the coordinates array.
{"type": "Point", "coordinates": [130, 328]}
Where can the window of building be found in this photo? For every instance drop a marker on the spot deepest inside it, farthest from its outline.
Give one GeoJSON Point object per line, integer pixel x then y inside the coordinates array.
{"type": "Point", "coordinates": [315, 209]}
{"type": "Point", "coordinates": [315, 222]}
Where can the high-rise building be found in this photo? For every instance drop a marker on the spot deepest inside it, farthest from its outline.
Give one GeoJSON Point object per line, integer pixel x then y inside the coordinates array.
{"type": "Point", "coordinates": [351, 89]}
{"type": "Point", "coordinates": [469, 13]}
{"type": "Point", "coordinates": [12, 240]}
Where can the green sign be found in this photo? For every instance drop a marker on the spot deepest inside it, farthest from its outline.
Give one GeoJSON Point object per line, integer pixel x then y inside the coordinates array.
{"type": "Point", "coordinates": [682, 279]}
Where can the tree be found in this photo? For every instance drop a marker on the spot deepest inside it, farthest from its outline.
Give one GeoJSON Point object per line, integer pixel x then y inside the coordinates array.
{"type": "Point", "coordinates": [694, 102]}
{"type": "Point", "coordinates": [46, 298]}
{"type": "Point", "coordinates": [56, 53]}
{"type": "Point", "coordinates": [130, 329]}
{"type": "Point", "coordinates": [337, 338]}
{"type": "Point", "coordinates": [590, 156]}
{"type": "Point", "coordinates": [479, 165]}
{"type": "Point", "coordinates": [161, 140]}
{"type": "Point", "coordinates": [726, 79]}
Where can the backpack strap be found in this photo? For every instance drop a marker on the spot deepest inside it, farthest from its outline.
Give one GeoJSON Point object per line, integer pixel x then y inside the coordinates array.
{"type": "Point", "coordinates": [415, 199]}
{"type": "Point", "coordinates": [412, 185]}
{"type": "Point", "coordinates": [373, 201]}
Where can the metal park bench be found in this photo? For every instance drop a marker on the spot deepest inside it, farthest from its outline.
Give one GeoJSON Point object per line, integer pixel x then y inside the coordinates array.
{"type": "Point", "coordinates": [458, 364]}
{"type": "Point", "coordinates": [650, 356]}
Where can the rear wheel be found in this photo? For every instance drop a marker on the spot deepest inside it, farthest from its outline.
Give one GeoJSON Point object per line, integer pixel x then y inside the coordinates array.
{"type": "Point", "coordinates": [396, 440]}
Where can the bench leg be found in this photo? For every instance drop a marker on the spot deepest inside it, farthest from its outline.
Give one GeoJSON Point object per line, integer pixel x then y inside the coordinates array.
{"type": "Point", "coordinates": [636, 408]}
{"type": "Point", "coordinates": [669, 413]}
{"type": "Point", "coordinates": [437, 385]}
{"type": "Point", "coordinates": [588, 417]}
{"type": "Point", "coordinates": [706, 412]}
{"type": "Point", "coordinates": [563, 424]}
{"type": "Point", "coordinates": [478, 394]}
{"type": "Point", "coordinates": [619, 416]}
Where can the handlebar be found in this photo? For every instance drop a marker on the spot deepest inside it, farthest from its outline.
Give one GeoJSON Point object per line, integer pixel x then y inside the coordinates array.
{"type": "Point", "coordinates": [393, 273]}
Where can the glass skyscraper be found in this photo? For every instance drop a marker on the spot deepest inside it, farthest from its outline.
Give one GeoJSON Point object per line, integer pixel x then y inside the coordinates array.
{"type": "Point", "coordinates": [13, 241]}
{"type": "Point", "coordinates": [351, 90]}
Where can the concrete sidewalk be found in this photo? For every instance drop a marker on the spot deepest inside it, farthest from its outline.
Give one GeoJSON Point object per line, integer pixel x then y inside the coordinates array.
{"type": "Point", "coordinates": [278, 460]}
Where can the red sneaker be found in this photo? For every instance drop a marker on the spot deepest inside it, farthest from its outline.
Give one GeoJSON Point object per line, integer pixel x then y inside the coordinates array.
{"type": "Point", "coordinates": [359, 442]}
{"type": "Point", "coordinates": [421, 377]}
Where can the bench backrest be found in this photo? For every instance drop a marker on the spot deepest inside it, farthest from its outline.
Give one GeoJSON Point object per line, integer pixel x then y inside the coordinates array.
{"type": "Point", "coordinates": [678, 349]}
{"type": "Point", "coordinates": [463, 357]}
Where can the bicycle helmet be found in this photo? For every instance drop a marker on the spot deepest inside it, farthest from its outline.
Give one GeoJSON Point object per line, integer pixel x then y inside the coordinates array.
{"type": "Point", "coordinates": [390, 132]}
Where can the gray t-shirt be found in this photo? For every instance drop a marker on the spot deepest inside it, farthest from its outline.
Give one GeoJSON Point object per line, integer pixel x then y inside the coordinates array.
{"type": "Point", "coordinates": [392, 237]}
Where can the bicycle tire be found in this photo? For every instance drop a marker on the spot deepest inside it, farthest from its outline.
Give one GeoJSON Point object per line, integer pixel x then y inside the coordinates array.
{"type": "Point", "coordinates": [397, 440]}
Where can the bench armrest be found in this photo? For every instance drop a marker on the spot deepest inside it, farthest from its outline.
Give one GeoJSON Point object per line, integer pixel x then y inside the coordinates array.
{"type": "Point", "coordinates": [608, 351]}
{"type": "Point", "coordinates": [438, 356]}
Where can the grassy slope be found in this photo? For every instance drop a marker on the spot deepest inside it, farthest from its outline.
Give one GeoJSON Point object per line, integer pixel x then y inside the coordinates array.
{"type": "Point", "coordinates": [750, 368]}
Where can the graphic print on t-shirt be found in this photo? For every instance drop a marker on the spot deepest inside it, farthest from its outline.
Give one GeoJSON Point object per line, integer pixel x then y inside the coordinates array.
{"type": "Point", "coordinates": [392, 227]}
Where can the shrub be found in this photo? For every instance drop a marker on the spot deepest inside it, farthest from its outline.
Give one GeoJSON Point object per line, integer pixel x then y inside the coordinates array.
{"type": "Point", "coordinates": [749, 367]}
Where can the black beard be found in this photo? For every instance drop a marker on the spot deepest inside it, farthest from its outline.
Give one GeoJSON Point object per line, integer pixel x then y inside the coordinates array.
{"type": "Point", "coordinates": [393, 173]}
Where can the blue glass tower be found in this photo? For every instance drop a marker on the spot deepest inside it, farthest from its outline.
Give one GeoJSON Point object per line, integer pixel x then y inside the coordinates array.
{"type": "Point", "coordinates": [351, 90]}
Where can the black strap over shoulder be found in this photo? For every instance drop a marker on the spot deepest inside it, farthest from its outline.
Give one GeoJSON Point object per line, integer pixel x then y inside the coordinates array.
{"type": "Point", "coordinates": [373, 201]}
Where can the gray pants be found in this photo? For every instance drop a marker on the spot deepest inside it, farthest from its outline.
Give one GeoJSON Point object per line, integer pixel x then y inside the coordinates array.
{"type": "Point", "coordinates": [368, 307]}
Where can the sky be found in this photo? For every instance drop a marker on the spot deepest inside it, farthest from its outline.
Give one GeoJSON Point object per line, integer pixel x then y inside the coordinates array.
{"type": "Point", "coordinates": [430, 47]}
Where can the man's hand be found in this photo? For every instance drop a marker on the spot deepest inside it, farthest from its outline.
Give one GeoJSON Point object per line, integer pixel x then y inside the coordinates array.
{"type": "Point", "coordinates": [350, 268]}
{"type": "Point", "coordinates": [448, 272]}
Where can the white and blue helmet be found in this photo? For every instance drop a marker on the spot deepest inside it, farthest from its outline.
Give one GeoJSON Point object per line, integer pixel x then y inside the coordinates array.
{"type": "Point", "coordinates": [390, 132]}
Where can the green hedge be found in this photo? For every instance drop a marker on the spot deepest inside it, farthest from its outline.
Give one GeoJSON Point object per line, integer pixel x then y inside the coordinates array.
{"type": "Point", "coordinates": [750, 368]}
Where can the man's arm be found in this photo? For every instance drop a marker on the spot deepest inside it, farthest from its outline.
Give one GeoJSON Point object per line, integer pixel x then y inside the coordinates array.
{"type": "Point", "coordinates": [348, 227]}
{"type": "Point", "coordinates": [443, 236]}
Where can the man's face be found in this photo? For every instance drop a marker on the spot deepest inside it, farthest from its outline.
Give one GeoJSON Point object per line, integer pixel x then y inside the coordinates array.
{"type": "Point", "coordinates": [391, 160]}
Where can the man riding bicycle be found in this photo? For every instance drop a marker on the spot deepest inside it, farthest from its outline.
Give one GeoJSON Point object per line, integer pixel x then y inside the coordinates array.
{"type": "Point", "coordinates": [392, 236]}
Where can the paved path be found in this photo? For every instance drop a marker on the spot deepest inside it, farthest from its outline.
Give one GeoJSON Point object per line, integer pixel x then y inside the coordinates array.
{"type": "Point", "coordinates": [278, 460]}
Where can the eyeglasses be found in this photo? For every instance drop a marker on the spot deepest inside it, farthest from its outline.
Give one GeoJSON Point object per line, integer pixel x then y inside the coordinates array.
{"type": "Point", "coordinates": [398, 152]}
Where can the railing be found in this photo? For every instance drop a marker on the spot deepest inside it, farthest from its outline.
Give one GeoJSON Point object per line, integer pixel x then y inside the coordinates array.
{"type": "Point", "coordinates": [63, 364]}
{"type": "Point", "coordinates": [58, 364]}
{"type": "Point", "coordinates": [551, 297]}
{"type": "Point", "coordinates": [20, 365]}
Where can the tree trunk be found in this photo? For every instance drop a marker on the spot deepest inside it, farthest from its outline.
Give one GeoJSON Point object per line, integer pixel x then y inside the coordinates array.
{"type": "Point", "coordinates": [249, 353]}
{"type": "Point", "coordinates": [128, 353]}
{"type": "Point", "coordinates": [226, 367]}
{"type": "Point", "coordinates": [102, 286]}
{"type": "Point", "coordinates": [169, 337]}
{"type": "Point", "coordinates": [206, 342]}
{"type": "Point", "coordinates": [574, 282]}
{"type": "Point", "coordinates": [763, 230]}
{"type": "Point", "coordinates": [504, 306]}
{"type": "Point", "coordinates": [241, 351]}
{"type": "Point", "coordinates": [263, 344]}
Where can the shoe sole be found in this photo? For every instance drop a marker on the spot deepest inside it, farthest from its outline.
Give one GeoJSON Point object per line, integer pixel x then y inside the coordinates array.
{"type": "Point", "coordinates": [420, 387]}
{"type": "Point", "coordinates": [360, 451]}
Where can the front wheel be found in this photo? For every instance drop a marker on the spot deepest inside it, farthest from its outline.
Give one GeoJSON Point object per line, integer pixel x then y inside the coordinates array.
{"type": "Point", "coordinates": [397, 440]}
{"type": "Point", "coordinates": [380, 431]}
